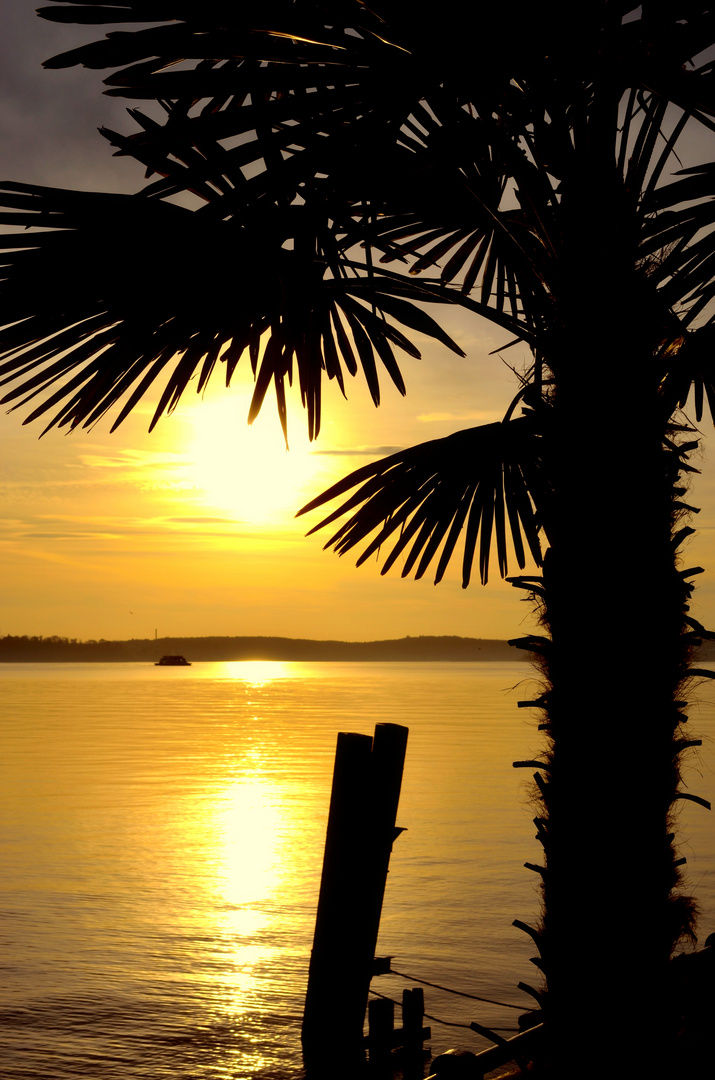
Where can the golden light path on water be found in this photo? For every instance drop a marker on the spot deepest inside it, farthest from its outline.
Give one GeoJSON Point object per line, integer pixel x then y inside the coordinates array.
{"type": "Point", "coordinates": [256, 672]}
{"type": "Point", "coordinates": [251, 825]}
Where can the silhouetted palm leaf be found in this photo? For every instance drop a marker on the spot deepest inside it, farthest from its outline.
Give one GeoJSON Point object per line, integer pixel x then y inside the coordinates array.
{"type": "Point", "coordinates": [133, 289]}
{"type": "Point", "coordinates": [679, 236]}
{"type": "Point", "coordinates": [692, 369]}
{"type": "Point", "coordinates": [483, 483]}
{"type": "Point", "coordinates": [368, 118]}
{"type": "Point", "coordinates": [336, 94]}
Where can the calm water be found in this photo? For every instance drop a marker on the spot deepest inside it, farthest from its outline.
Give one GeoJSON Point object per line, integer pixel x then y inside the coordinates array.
{"type": "Point", "coordinates": [162, 835]}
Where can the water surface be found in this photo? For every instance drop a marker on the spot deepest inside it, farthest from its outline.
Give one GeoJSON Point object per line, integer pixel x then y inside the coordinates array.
{"type": "Point", "coordinates": [162, 835]}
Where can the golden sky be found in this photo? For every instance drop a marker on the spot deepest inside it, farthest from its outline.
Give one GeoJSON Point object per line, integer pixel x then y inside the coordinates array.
{"type": "Point", "coordinates": [190, 530]}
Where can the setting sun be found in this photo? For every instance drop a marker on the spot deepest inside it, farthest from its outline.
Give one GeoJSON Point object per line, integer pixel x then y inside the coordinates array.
{"type": "Point", "coordinates": [247, 471]}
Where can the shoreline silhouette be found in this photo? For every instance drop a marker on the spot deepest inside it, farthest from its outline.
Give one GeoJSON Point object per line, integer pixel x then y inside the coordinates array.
{"type": "Point", "coordinates": [54, 649]}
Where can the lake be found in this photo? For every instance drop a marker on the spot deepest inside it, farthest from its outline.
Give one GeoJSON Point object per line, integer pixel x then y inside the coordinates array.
{"type": "Point", "coordinates": [162, 838]}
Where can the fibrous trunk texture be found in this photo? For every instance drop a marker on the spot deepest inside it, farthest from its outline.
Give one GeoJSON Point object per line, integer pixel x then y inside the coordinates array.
{"type": "Point", "coordinates": [614, 604]}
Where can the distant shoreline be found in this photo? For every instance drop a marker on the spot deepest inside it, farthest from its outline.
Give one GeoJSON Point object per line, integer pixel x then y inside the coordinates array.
{"type": "Point", "coordinates": [408, 649]}
{"type": "Point", "coordinates": [448, 649]}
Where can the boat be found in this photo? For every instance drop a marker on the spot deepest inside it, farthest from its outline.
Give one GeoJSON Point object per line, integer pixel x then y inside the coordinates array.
{"type": "Point", "coordinates": [173, 661]}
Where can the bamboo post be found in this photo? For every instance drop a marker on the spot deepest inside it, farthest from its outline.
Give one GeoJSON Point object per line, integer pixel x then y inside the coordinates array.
{"type": "Point", "coordinates": [386, 766]}
{"type": "Point", "coordinates": [361, 827]}
{"type": "Point", "coordinates": [381, 1025]}
{"type": "Point", "coordinates": [332, 1022]}
{"type": "Point", "coordinates": [413, 1011]}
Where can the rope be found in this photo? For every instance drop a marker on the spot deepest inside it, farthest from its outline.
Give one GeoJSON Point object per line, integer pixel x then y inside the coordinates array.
{"type": "Point", "coordinates": [461, 993]}
{"type": "Point", "coordinates": [454, 1023]}
{"type": "Point", "coordinates": [436, 1019]}
{"type": "Point", "coordinates": [447, 1023]}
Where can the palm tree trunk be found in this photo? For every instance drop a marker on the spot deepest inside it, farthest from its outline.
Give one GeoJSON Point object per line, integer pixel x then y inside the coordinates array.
{"type": "Point", "coordinates": [614, 605]}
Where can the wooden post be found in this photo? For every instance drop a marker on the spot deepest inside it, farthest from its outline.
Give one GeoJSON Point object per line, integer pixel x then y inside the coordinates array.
{"type": "Point", "coordinates": [381, 1025]}
{"type": "Point", "coordinates": [386, 766]}
{"type": "Point", "coordinates": [332, 1022]}
{"type": "Point", "coordinates": [361, 828]}
{"type": "Point", "coordinates": [413, 1011]}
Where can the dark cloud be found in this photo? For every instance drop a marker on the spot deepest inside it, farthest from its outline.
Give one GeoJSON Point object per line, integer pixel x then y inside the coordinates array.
{"type": "Point", "coordinates": [49, 119]}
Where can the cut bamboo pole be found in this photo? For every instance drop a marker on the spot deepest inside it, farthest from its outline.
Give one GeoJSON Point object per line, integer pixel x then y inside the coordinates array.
{"type": "Point", "coordinates": [361, 828]}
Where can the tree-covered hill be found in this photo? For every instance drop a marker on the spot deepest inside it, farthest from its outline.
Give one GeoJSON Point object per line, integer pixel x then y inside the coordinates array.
{"type": "Point", "coordinates": [54, 649]}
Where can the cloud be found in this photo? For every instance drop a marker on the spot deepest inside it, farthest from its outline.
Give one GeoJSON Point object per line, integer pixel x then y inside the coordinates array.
{"type": "Point", "coordinates": [483, 416]}
{"type": "Point", "coordinates": [69, 536]}
{"type": "Point", "coordinates": [49, 119]}
{"type": "Point", "coordinates": [99, 529]}
{"type": "Point", "coordinates": [133, 459]}
{"type": "Point", "coordinates": [360, 451]}
{"type": "Point", "coordinates": [201, 520]}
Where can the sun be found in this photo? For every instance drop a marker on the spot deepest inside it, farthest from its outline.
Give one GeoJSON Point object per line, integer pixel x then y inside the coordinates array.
{"type": "Point", "coordinates": [245, 471]}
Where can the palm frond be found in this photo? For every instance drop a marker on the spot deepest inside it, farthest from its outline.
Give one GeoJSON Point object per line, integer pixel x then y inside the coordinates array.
{"type": "Point", "coordinates": [691, 369]}
{"type": "Point", "coordinates": [678, 240]}
{"type": "Point", "coordinates": [308, 92]}
{"type": "Point", "coordinates": [216, 28]}
{"type": "Point", "coordinates": [309, 131]}
{"type": "Point", "coordinates": [104, 294]}
{"type": "Point", "coordinates": [484, 483]}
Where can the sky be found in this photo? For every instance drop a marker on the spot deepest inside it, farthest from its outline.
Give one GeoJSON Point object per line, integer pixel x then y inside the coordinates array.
{"type": "Point", "coordinates": [190, 530]}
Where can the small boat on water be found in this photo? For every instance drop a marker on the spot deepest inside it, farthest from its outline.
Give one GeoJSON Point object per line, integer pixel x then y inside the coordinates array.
{"type": "Point", "coordinates": [173, 661]}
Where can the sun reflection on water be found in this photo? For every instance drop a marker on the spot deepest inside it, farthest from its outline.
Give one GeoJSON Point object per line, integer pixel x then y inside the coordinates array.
{"type": "Point", "coordinates": [258, 672]}
{"type": "Point", "coordinates": [250, 826]}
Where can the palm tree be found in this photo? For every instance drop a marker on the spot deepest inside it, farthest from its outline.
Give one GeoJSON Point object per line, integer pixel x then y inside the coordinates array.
{"type": "Point", "coordinates": [361, 162]}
